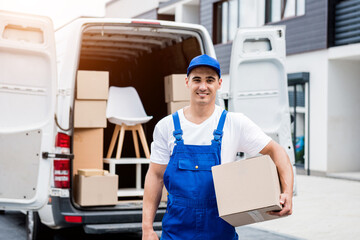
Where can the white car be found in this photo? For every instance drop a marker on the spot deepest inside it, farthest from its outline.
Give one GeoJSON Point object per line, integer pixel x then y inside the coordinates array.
{"type": "Point", "coordinates": [37, 94]}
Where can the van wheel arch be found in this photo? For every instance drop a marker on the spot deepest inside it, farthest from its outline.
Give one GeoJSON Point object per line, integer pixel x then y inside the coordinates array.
{"type": "Point", "coordinates": [35, 229]}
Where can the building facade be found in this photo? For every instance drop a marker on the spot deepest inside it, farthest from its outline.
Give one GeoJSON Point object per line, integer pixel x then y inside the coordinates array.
{"type": "Point", "coordinates": [323, 64]}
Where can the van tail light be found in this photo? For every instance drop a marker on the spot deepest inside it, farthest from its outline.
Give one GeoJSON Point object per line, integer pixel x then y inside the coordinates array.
{"type": "Point", "coordinates": [62, 140]}
{"type": "Point", "coordinates": [62, 173]}
{"type": "Point", "coordinates": [62, 166]}
{"type": "Point", "coordinates": [73, 219]}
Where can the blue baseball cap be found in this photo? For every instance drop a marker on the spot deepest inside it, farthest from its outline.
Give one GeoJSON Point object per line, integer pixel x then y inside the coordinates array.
{"type": "Point", "coordinates": [204, 60]}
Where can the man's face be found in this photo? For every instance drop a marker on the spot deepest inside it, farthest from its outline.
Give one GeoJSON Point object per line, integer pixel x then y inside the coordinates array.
{"type": "Point", "coordinates": [203, 83]}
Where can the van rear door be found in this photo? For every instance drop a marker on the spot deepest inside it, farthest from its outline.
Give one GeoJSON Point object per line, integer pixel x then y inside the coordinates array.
{"type": "Point", "coordinates": [258, 81]}
{"type": "Point", "coordinates": [27, 102]}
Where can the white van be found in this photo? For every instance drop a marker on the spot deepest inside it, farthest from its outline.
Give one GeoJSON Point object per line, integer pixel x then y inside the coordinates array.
{"type": "Point", "coordinates": [37, 94]}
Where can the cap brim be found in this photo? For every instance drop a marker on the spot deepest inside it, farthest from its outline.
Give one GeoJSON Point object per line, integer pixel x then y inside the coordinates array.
{"type": "Point", "coordinates": [203, 65]}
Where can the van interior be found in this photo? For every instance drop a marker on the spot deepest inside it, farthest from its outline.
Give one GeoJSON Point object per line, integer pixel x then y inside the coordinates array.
{"type": "Point", "coordinates": [139, 56]}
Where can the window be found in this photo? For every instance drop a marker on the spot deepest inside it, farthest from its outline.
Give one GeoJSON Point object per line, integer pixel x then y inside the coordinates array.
{"type": "Point", "coordinates": [277, 10]}
{"type": "Point", "coordinates": [229, 15]}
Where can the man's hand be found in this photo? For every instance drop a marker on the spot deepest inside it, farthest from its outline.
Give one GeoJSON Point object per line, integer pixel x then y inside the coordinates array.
{"type": "Point", "coordinates": [149, 235]}
{"type": "Point", "coordinates": [286, 202]}
{"type": "Point", "coordinates": [286, 176]}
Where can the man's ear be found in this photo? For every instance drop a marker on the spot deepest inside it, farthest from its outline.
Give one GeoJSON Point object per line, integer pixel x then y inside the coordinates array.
{"type": "Point", "coordinates": [220, 83]}
{"type": "Point", "coordinates": [187, 81]}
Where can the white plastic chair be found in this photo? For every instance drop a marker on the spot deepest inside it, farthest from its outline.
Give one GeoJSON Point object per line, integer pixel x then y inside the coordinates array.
{"type": "Point", "coordinates": [125, 110]}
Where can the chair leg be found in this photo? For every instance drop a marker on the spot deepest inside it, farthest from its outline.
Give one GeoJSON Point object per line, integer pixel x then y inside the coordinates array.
{"type": "Point", "coordinates": [143, 141]}
{"type": "Point", "coordinates": [121, 140]}
{"type": "Point", "coordinates": [113, 141]}
{"type": "Point", "coordinates": [136, 143]}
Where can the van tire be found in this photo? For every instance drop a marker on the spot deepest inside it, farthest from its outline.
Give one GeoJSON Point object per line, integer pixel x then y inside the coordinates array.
{"type": "Point", "coordinates": [35, 230]}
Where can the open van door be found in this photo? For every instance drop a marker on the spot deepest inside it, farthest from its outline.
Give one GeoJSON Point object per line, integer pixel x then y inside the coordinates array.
{"type": "Point", "coordinates": [27, 103]}
{"type": "Point", "coordinates": [258, 82]}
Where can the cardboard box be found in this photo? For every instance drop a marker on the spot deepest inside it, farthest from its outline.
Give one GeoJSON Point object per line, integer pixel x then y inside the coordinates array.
{"type": "Point", "coordinates": [96, 190]}
{"type": "Point", "coordinates": [174, 106]}
{"type": "Point", "coordinates": [92, 85]}
{"type": "Point", "coordinates": [92, 172]}
{"type": "Point", "coordinates": [88, 148]}
{"type": "Point", "coordinates": [90, 114]}
{"type": "Point", "coordinates": [175, 88]}
{"type": "Point", "coordinates": [246, 190]}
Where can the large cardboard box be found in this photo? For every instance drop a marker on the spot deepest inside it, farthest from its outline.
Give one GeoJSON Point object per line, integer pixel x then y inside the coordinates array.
{"type": "Point", "coordinates": [246, 190]}
{"type": "Point", "coordinates": [88, 148]}
{"type": "Point", "coordinates": [175, 88]}
{"type": "Point", "coordinates": [90, 114]}
{"type": "Point", "coordinates": [174, 106]}
{"type": "Point", "coordinates": [92, 85]}
{"type": "Point", "coordinates": [96, 190]}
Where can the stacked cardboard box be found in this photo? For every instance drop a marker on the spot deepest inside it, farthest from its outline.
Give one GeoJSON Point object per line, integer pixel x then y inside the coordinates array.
{"type": "Point", "coordinates": [246, 190]}
{"type": "Point", "coordinates": [177, 95]}
{"type": "Point", "coordinates": [95, 187]}
{"type": "Point", "coordinates": [88, 148]}
{"type": "Point", "coordinates": [91, 94]}
{"type": "Point", "coordinates": [90, 119]}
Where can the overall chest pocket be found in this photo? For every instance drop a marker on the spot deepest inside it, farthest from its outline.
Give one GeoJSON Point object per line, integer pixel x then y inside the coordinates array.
{"type": "Point", "coordinates": [198, 162]}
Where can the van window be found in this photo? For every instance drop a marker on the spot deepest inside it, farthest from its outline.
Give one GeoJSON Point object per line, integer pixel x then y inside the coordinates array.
{"type": "Point", "coordinates": [26, 34]}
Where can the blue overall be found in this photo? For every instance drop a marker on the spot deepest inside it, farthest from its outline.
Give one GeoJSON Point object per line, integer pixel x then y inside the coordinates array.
{"type": "Point", "coordinates": [191, 209]}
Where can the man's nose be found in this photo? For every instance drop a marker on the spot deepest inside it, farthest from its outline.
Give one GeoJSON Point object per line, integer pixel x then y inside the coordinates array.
{"type": "Point", "coordinates": [203, 86]}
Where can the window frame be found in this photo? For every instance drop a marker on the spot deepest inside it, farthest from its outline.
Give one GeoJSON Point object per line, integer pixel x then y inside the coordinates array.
{"type": "Point", "coordinates": [268, 11]}
{"type": "Point", "coordinates": [217, 34]}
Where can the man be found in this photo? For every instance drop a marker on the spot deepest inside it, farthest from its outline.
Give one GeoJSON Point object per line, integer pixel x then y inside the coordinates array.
{"type": "Point", "coordinates": [187, 144]}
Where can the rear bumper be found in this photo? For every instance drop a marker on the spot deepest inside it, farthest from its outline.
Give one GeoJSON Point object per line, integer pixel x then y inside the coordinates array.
{"type": "Point", "coordinates": [116, 228]}
{"type": "Point", "coordinates": [101, 221]}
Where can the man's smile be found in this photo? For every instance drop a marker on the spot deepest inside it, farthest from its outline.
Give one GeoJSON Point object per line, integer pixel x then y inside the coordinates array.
{"type": "Point", "coordinates": [202, 94]}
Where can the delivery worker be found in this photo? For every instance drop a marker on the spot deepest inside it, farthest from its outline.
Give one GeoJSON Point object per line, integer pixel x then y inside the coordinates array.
{"type": "Point", "coordinates": [187, 144]}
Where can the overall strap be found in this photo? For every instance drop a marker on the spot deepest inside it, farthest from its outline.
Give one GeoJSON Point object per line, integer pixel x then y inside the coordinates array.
{"type": "Point", "coordinates": [218, 132]}
{"type": "Point", "coordinates": [177, 132]}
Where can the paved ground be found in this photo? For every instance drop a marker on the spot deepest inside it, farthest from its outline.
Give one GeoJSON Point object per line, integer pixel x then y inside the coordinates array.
{"type": "Point", "coordinates": [325, 208]}
{"type": "Point", "coordinates": [12, 226]}
{"type": "Point", "coordinates": [252, 233]}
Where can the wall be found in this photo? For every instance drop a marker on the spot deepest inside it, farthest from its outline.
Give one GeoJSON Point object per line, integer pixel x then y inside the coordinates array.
{"type": "Point", "coordinates": [190, 14]}
{"type": "Point", "coordinates": [152, 14]}
{"type": "Point", "coordinates": [343, 116]}
{"type": "Point", "coordinates": [317, 65]}
{"type": "Point", "coordinates": [303, 34]}
{"type": "Point", "coordinates": [130, 8]}
{"type": "Point", "coordinates": [308, 32]}
{"type": "Point", "coordinates": [223, 51]}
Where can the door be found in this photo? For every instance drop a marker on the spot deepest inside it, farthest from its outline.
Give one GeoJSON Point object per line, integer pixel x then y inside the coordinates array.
{"type": "Point", "coordinates": [27, 102]}
{"type": "Point", "coordinates": [258, 82]}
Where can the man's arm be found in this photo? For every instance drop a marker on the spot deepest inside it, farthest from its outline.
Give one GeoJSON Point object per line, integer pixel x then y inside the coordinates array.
{"type": "Point", "coordinates": [152, 194]}
{"type": "Point", "coordinates": [286, 175]}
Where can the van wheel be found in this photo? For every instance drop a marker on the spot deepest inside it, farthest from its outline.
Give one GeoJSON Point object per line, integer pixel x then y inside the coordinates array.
{"type": "Point", "coordinates": [34, 228]}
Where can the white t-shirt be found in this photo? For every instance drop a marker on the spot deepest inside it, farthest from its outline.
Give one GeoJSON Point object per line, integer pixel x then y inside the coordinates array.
{"type": "Point", "coordinates": [240, 135]}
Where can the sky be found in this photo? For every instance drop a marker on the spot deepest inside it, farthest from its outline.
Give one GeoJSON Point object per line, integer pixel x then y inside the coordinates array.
{"type": "Point", "coordinates": [60, 11]}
